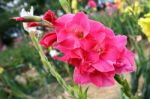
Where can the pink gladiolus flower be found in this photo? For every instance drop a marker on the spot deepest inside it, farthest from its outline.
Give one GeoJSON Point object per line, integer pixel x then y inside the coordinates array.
{"type": "Point", "coordinates": [48, 39]}
{"type": "Point", "coordinates": [92, 4]}
{"type": "Point", "coordinates": [96, 53]}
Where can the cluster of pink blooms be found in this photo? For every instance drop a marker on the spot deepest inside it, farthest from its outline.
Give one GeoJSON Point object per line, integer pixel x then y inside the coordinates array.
{"type": "Point", "coordinates": [92, 3]}
{"type": "Point", "coordinates": [96, 53]}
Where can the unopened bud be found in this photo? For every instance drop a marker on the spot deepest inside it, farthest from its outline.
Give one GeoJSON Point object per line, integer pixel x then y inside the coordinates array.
{"type": "Point", "coordinates": [28, 19]}
{"type": "Point", "coordinates": [19, 19]}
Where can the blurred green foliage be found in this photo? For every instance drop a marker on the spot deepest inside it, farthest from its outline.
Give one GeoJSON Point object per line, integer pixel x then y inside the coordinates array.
{"type": "Point", "coordinates": [22, 54]}
{"type": "Point", "coordinates": [24, 76]}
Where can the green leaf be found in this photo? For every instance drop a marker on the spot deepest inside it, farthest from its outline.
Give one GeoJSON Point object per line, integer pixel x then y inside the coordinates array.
{"type": "Point", "coordinates": [65, 5]}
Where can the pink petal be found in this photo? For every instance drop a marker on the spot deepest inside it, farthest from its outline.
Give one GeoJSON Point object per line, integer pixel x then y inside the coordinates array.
{"type": "Point", "coordinates": [103, 66]}
{"type": "Point", "coordinates": [96, 27]}
{"type": "Point", "coordinates": [62, 35]}
{"type": "Point", "coordinates": [63, 20]}
{"type": "Point", "coordinates": [75, 61]}
{"type": "Point", "coordinates": [103, 79]}
{"type": "Point", "coordinates": [88, 43]}
{"type": "Point", "coordinates": [130, 56]}
{"type": "Point", "coordinates": [48, 39]}
{"type": "Point", "coordinates": [80, 78]}
{"type": "Point", "coordinates": [125, 63]}
{"type": "Point", "coordinates": [124, 67]}
{"type": "Point", "coordinates": [92, 57]}
{"type": "Point", "coordinates": [80, 53]}
{"type": "Point", "coordinates": [110, 54]}
{"type": "Point", "coordinates": [109, 32]}
{"type": "Point", "coordinates": [120, 42]}
{"type": "Point", "coordinates": [67, 43]}
{"type": "Point", "coordinates": [79, 23]}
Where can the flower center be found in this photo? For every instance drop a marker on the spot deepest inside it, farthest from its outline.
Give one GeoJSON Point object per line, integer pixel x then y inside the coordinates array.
{"type": "Point", "coordinates": [79, 34]}
{"type": "Point", "coordinates": [100, 51]}
{"type": "Point", "coordinates": [90, 63]}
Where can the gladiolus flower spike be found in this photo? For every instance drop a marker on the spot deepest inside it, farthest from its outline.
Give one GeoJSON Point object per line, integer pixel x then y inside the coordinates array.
{"type": "Point", "coordinates": [96, 53]}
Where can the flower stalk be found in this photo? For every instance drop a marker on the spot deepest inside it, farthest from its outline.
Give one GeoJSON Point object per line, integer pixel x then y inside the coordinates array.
{"type": "Point", "coordinates": [125, 87]}
{"type": "Point", "coordinates": [50, 67]}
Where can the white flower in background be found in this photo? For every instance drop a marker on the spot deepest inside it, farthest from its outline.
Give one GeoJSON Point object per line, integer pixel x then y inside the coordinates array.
{"type": "Point", "coordinates": [53, 53]}
{"type": "Point", "coordinates": [27, 13]}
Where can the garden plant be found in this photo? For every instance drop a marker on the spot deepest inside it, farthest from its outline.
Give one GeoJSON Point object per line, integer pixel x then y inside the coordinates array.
{"type": "Point", "coordinates": [89, 43]}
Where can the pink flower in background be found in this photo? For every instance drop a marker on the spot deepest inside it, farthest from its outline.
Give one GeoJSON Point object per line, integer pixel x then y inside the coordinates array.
{"type": "Point", "coordinates": [96, 53]}
{"type": "Point", "coordinates": [92, 4]}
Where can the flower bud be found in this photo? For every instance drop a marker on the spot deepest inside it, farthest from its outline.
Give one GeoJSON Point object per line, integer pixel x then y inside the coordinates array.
{"type": "Point", "coordinates": [28, 19]}
{"type": "Point", "coordinates": [50, 16]}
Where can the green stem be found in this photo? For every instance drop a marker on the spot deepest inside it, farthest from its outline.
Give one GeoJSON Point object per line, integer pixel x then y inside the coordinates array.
{"type": "Point", "coordinates": [50, 67]}
{"type": "Point", "coordinates": [125, 87]}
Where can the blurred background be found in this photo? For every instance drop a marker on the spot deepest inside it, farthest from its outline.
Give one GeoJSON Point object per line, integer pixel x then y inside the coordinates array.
{"type": "Point", "coordinates": [22, 75]}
